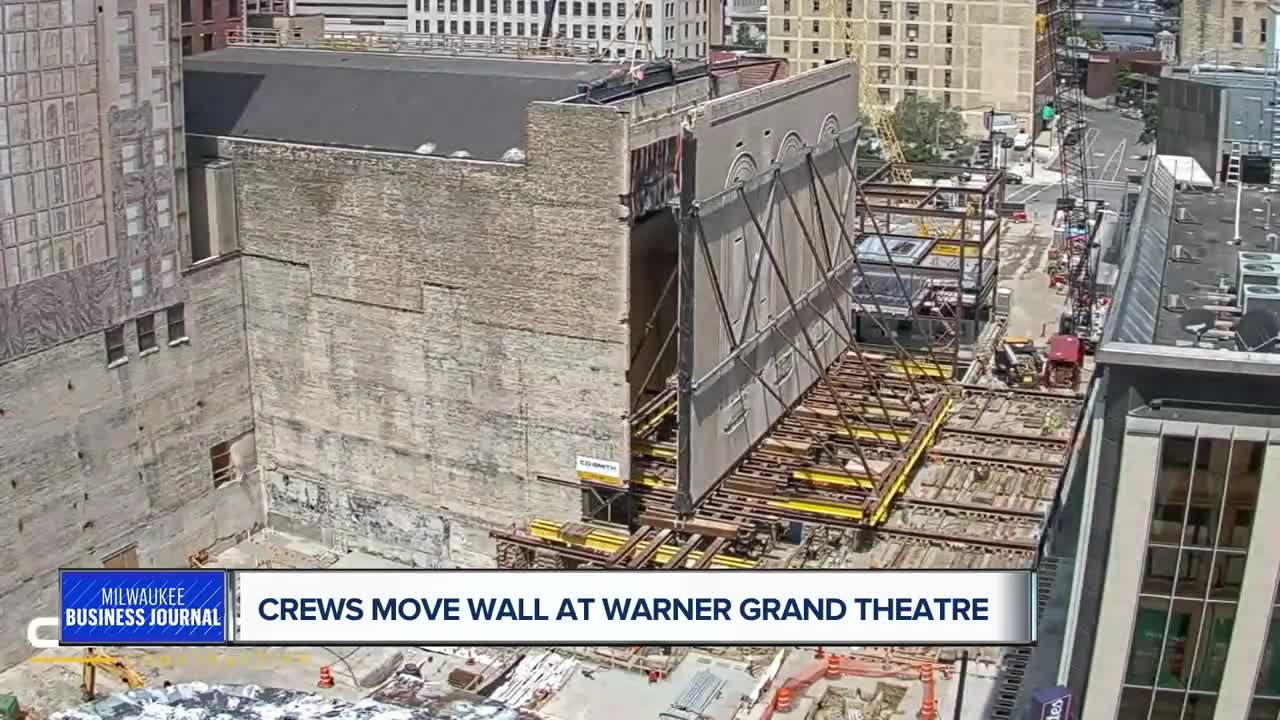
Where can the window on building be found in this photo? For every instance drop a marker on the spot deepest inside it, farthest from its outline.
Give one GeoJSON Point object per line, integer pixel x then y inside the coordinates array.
{"type": "Point", "coordinates": [885, 30]}
{"type": "Point", "coordinates": [786, 26]}
{"type": "Point", "coordinates": [130, 154]}
{"type": "Point", "coordinates": [885, 95]}
{"type": "Point", "coordinates": [493, 6]}
{"type": "Point", "coordinates": [186, 45]}
{"type": "Point", "coordinates": [948, 56]}
{"type": "Point", "coordinates": [886, 11]}
{"type": "Point", "coordinates": [1237, 30]}
{"type": "Point", "coordinates": [133, 219]}
{"type": "Point", "coordinates": [884, 52]}
{"type": "Point", "coordinates": [186, 11]}
{"type": "Point", "coordinates": [786, 47]}
{"type": "Point", "coordinates": [911, 75]}
{"type": "Point", "coordinates": [466, 27]}
{"type": "Point", "coordinates": [913, 11]}
{"type": "Point", "coordinates": [913, 32]}
{"type": "Point", "coordinates": [168, 270]}
{"type": "Point", "coordinates": [620, 10]}
{"type": "Point", "coordinates": [124, 31]}
{"type": "Point", "coordinates": [233, 8]}
{"type": "Point", "coordinates": [115, 343]}
{"type": "Point", "coordinates": [577, 32]}
{"type": "Point", "coordinates": [591, 32]}
{"type": "Point", "coordinates": [950, 35]}
{"type": "Point", "coordinates": [453, 27]}
{"type": "Point", "coordinates": [128, 94]}
{"type": "Point", "coordinates": [220, 461]}
{"type": "Point", "coordinates": [813, 49]}
{"type": "Point", "coordinates": [946, 99]}
{"type": "Point", "coordinates": [146, 327]}
{"type": "Point", "coordinates": [533, 7]}
{"type": "Point", "coordinates": [884, 74]}
{"type": "Point", "coordinates": [946, 79]}
{"type": "Point", "coordinates": [817, 26]}
{"type": "Point", "coordinates": [206, 10]}
{"type": "Point", "coordinates": [951, 12]}
{"type": "Point", "coordinates": [520, 7]}
{"type": "Point", "coordinates": [1262, 30]}
{"type": "Point", "coordinates": [176, 321]}
{"type": "Point", "coordinates": [506, 28]}
{"type": "Point", "coordinates": [577, 9]}
{"type": "Point", "coordinates": [159, 87]}
{"type": "Point", "coordinates": [913, 52]}
{"type": "Point", "coordinates": [126, 559]}
{"type": "Point", "coordinates": [439, 5]}
{"type": "Point", "coordinates": [466, 6]}
{"type": "Point", "coordinates": [817, 6]}
{"type": "Point", "coordinates": [206, 42]}
{"type": "Point", "coordinates": [164, 211]}
{"type": "Point", "coordinates": [156, 26]}
{"type": "Point", "coordinates": [562, 30]}
{"type": "Point", "coordinates": [139, 283]}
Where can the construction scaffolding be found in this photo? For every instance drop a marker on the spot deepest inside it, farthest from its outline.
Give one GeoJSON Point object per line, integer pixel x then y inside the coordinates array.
{"type": "Point", "coordinates": [816, 417]}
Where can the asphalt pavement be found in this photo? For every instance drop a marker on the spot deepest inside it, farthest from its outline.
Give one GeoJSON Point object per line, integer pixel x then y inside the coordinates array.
{"type": "Point", "coordinates": [1112, 153]}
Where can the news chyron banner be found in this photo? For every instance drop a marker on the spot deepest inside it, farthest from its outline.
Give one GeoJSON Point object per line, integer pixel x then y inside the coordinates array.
{"type": "Point", "coordinates": [507, 607]}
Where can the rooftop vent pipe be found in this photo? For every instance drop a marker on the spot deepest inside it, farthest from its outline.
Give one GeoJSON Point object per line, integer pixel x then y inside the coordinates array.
{"type": "Point", "coordinates": [1239, 197]}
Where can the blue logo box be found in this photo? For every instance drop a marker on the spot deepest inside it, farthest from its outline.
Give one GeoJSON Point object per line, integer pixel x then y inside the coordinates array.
{"type": "Point", "coordinates": [143, 607]}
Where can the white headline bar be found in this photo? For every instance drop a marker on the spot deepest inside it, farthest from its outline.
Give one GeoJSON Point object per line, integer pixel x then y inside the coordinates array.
{"type": "Point", "coordinates": [684, 607]}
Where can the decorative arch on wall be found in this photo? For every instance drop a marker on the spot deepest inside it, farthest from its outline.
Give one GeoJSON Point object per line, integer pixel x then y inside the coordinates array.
{"type": "Point", "coordinates": [743, 168]}
{"type": "Point", "coordinates": [830, 128]}
{"type": "Point", "coordinates": [790, 147]}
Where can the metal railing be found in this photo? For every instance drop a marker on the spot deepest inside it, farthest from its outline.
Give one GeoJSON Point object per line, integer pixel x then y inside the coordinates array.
{"type": "Point", "coordinates": [421, 43]}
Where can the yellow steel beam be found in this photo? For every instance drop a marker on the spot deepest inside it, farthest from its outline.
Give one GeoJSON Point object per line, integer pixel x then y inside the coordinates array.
{"type": "Point", "coordinates": [607, 543]}
{"type": "Point", "coordinates": [654, 451]}
{"type": "Point", "coordinates": [657, 417]}
{"type": "Point", "coordinates": [848, 512]}
{"type": "Point", "coordinates": [834, 477]}
{"type": "Point", "coordinates": [872, 434]}
{"type": "Point", "coordinates": [900, 483]}
{"type": "Point", "coordinates": [928, 369]}
{"type": "Point", "coordinates": [652, 480]}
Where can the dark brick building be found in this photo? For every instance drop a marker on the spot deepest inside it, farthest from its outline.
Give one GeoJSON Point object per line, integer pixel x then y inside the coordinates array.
{"type": "Point", "coordinates": [205, 23]}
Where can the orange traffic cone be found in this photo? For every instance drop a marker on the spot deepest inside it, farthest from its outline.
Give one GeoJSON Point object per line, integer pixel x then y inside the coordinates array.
{"type": "Point", "coordinates": [782, 702]}
{"type": "Point", "coordinates": [833, 666]}
{"type": "Point", "coordinates": [326, 677]}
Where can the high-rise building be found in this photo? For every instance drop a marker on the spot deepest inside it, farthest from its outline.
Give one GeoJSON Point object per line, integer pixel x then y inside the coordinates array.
{"type": "Point", "coordinates": [648, 29]}
{"type": "Point", "coordinates": [973, 56]}
{"type": "Point", "coordinates": [1174, 612]}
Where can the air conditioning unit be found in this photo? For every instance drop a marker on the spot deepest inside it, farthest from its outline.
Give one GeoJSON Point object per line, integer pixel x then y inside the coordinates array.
{"type": "Point", "coordinates": [1260, 297]}
{"type": "Point", "coordinates": [1256, 268]}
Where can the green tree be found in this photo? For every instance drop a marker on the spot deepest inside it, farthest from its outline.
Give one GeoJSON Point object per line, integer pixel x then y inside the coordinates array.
{"type": "Point", "coordinates": [743, 37]}
{"type": "Point", "coordinates": [1126, 82]}
{"type": "Point", "coordinates": [927, 127]}
{"type": "Point", "coordinates": [1150, 122]}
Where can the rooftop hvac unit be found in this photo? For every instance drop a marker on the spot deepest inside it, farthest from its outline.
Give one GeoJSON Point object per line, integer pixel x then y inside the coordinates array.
{"type": "Point", "coordinates": [1259, 257]}
{"type": "Point", "coordinates": [1261, 297]}
{"type": "Point", "coordinates": [1256, 273]}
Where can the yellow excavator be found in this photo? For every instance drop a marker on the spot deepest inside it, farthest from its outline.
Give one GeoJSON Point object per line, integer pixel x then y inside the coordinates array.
{"type": "Point", "coordinates": [95, 660]}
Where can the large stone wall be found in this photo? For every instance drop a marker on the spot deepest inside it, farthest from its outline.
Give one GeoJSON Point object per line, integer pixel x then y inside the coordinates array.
{"type": "Point", "coordinates": [428, 335]}
{"type": "Point", "coordinates": [95, 460]}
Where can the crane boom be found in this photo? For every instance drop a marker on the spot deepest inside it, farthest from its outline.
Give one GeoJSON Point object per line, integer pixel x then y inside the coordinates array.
{"type": "Point", "coordinates": [1068, 106]}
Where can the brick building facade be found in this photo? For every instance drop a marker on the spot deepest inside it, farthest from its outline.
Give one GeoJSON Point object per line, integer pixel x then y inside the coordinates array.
{"type": "Point", "coordinates": [205, 23]}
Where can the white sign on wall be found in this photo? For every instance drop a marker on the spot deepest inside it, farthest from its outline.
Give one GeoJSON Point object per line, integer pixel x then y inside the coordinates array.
{"type": "Point", "coordinates": [599, 471]}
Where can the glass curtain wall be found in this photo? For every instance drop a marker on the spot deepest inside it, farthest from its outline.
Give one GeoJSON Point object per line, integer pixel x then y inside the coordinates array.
{"type": "Point", "coordinates": [1205, 493]}
{"type": "Point", "coordinates": [1266, 693]}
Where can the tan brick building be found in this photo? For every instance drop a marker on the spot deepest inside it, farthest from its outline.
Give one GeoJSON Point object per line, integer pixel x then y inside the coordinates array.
{"type": "Point", "coordinates": [1227, 31]}
{"type": "Point", "coordinates": [970, 55]}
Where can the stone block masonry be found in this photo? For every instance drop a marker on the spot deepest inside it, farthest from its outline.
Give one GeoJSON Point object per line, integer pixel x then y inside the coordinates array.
{"type": "Point", "coordinates": [96, 461]}
{"type": "Point", "coordinates": [428, 335]}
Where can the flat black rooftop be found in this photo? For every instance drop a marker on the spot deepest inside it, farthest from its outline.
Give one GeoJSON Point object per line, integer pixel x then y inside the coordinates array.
{"type": "Point", "coordinates": [1180, 256]}
{"type": "Point", "coordinates": [373, 100]}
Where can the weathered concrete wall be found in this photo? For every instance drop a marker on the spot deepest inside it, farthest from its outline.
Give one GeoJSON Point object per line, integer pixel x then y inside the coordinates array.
{"type": "Point", "coordinates": [94, 460]}
{"type": "Point", "coordinates": [427, 336]}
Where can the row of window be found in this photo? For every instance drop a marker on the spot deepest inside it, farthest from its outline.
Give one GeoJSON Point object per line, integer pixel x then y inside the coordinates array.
{"type": "Point", "coordinates": [1237, 31]}
{"type": "Point", "coordinates": [885, 10]}
{"type": "Point", "coordinates": [206, 11]}
{"type": "Point", "coordinates": [145, 327]}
